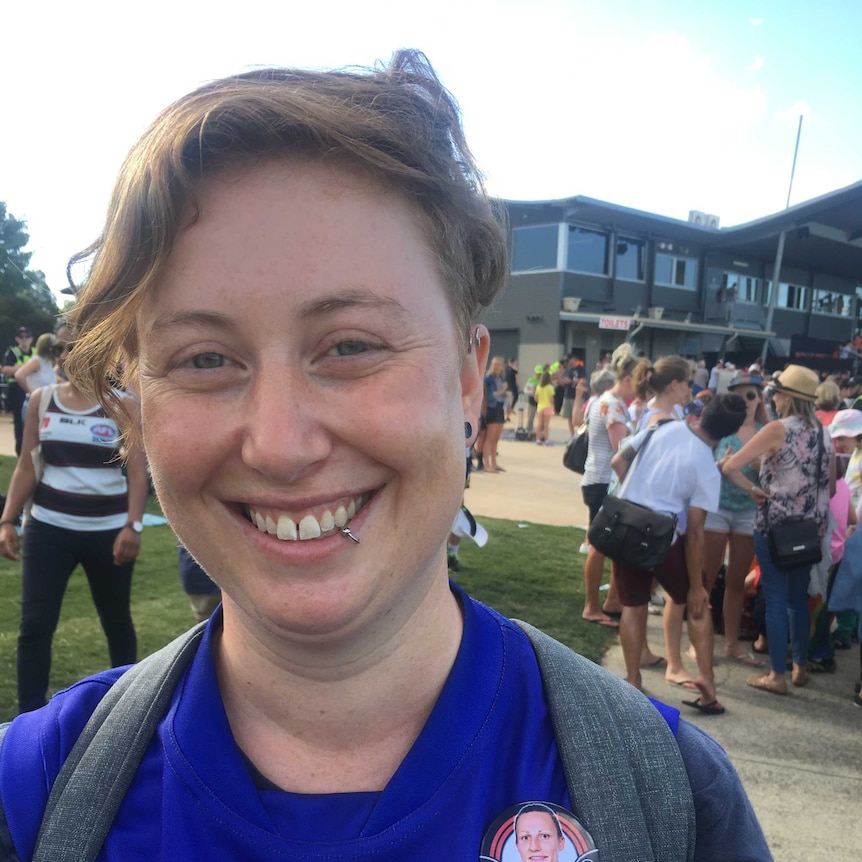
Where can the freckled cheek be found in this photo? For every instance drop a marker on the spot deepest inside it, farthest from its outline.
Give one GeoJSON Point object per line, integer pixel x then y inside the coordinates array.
{"type": "Point", "coordinates": [181, 438]}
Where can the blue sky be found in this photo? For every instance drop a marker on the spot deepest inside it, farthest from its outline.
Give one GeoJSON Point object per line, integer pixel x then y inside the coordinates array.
{"type": "Point", "coordinates": [662, 105]}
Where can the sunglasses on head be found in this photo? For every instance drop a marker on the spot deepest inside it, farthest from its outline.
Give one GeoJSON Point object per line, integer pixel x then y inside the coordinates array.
{"type": "Point", "coordinates": [58, 349]}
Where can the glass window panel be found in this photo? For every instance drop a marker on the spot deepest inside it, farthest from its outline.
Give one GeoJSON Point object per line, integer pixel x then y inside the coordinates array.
{"type": "Point", "coordinates": [676, 271]}
{"type": "Point", "coordinates": [831, 302]}
{"type": "Point", "coordinates": [534, 247]}
{"type": "Point", "coordinates": [587, 251]}
{"type": "Point", "coordinates": [663, 268]}
{"type": "Point", "coordinates": [630, 259]}
{"type": "Point", "coordinates": [789, 296]}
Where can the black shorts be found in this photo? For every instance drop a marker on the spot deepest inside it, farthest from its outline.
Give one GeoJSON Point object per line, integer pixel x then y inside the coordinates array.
{"type": "Point", "coordinates": [594, 495]}
{"type": "Point", "coordinates": [495, 415]}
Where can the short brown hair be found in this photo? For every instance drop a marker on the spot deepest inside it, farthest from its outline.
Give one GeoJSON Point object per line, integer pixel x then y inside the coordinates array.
{"type": "Point", "coordinates": [397, 124]}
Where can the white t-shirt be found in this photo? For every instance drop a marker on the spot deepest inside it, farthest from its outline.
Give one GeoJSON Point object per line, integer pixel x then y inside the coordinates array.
{"type": "Point", "coordinates": [677, 472]}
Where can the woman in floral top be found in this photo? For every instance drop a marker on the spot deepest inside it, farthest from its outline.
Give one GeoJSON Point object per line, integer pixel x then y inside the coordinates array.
{"type": "Point", "coordinates": [795, 453]}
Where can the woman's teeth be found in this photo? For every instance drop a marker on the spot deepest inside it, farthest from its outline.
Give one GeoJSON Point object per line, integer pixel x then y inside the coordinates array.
{"type": "Point", "coordinates": [310, 526]}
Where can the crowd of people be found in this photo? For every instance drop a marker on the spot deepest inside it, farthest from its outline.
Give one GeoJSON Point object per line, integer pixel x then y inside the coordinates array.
{"type": "Point", "coordinates": [765, 467]}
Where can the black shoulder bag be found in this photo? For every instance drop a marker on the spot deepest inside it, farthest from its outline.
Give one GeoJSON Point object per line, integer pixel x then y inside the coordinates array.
{"type": "Point", "coordinates": [795, 542]}
{"type": "Point", "coordinates": [577, 449]}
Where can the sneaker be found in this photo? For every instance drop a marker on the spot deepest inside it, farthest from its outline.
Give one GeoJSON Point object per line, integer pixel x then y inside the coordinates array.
{"type": "Point", "coordinates": [585, 548]}
{"type": "Point", "coordinates": [452, 562]}
{"type": "Point", "coordinates": [823, 665]}
{"type": "Point", "coordinates": [658, 600]}
{"type": "Point", "coordinates": [840, 640]}
{"type": "Point", "coordinates": [857, 701]}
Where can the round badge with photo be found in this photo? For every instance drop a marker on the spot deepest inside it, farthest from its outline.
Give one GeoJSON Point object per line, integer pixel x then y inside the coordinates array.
{"type": "Point", "coordinates": [538, 831]}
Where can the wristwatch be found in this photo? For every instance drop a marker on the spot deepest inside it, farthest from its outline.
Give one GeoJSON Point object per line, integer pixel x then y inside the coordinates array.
{"type": "Point", "coordinates": [137, 526]}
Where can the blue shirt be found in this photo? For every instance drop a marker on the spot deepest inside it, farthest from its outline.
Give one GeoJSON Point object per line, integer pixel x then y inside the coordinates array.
{"type": "Point", "coordinates": [488, 745]}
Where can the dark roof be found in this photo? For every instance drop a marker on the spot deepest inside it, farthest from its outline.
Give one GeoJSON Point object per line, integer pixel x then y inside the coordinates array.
{"type": "Point", "coordinates": [823, 234]}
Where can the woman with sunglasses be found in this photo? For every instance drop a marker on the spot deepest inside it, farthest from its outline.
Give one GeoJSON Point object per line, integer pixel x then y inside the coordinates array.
{"type": "Point", "coordinates": [84, 511]}
{"type": "Point", "coordinates": [732, 527]}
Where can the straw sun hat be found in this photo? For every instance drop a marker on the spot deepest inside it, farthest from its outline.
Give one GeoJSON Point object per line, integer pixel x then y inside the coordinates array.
{"type": "Point", "coordinates": [798, 382]}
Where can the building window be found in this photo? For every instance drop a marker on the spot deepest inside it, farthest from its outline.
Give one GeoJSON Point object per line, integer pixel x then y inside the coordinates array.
{"type": "Point", "coordinates": [535, 247]}
{"type": "Point", "coordinates": [792, 296]}
{"type": "Point", "coordinates": [741, 288]}
{"type": "Point", "coordinates": [587, 251]}
{"type": "Point", "coordinates": [676, 271]}
{"type": "Point", "coordinates": [630, 258]}
{"type": "Point", "coordinates": [831, 302]}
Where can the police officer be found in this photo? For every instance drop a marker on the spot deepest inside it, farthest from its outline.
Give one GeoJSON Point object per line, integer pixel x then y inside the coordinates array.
{"type": "Point", "coordinates": [17, 354]}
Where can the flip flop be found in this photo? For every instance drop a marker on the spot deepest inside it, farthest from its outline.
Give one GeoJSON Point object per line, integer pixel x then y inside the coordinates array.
{"type": "Point", "coordinates": [762, 683]}
{"type": "Point", "coordinates": [687, 684]}
{"type": "Point", "coordinates": [711, 708]}
{"type": "Point", "coordinates": [747, 659]}
{"type": "Point", "coordinates": [607, 623]}
{"type": "Point", "coordinates": [617, 615]}
{"type": "Point", "coordinates": [652, 665]}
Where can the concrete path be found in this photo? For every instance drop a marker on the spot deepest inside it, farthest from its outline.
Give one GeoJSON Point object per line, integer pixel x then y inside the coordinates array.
{"type": "Point", "coordinates": [800, 756]}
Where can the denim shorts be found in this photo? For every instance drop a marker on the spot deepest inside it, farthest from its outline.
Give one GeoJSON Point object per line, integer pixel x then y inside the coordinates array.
{"type": "Point", "coordinates": [729, 521]}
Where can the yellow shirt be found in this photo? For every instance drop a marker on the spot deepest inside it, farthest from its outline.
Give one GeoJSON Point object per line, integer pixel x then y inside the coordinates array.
{"type": "Point", "coordinates": [545, 396]}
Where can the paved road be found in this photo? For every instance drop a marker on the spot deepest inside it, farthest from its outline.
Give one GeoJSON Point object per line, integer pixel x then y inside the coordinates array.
{"type": "Point", "coordinates": [799, 756]}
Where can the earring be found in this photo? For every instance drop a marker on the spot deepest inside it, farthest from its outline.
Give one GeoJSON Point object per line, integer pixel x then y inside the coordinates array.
{"type": "Point", "coordinates": [473, 333]}
{"type": "Point", "coordinates": [468, 430]}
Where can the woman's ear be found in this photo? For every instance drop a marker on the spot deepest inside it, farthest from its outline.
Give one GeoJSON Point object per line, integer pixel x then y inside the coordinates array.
{"type": "Point", "coordinates": [473, 373]}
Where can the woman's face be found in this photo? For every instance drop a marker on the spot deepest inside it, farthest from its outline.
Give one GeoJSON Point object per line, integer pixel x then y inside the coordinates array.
{"type": "Point", "coordinates": [681, 390]}
{"type": "Point", "coordinates": [625, 387]}
{"type": "Point", "coordinates": [750, 403]}
{"type": "Point", "coordinates": [537, 838]}
{"type": "Point", "coordinates": [844, 445]}
{"type": "Point", "coordinates": [780, 400]}
{"type": "Point", "coordinates": [300, 368]}
{"type": "Point", "coordinates": [64, 339]}
{"type": "Point", "coordinates": [496, 366]}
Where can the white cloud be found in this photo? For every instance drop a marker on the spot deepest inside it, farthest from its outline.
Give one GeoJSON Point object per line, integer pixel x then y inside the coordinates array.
{"type": "Point", "coordinates": [755, 22]}
{"type": "Point", "coordinates": [757, 64]}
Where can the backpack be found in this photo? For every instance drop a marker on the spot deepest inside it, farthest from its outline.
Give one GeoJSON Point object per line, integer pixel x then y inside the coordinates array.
{"type": "Point", "coordinates": [621, 760]}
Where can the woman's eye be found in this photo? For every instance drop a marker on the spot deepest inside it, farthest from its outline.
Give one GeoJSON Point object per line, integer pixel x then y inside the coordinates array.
{"type": "Point", "coordinates": [207, 360]}
{"type": "Point", "coordinates": [349, 348]}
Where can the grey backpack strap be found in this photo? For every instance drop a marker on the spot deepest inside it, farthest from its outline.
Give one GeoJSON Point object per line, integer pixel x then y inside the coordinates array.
{"type": "Point", "coordinates": [94, 779]}
{"type": "Point", "coordinates": [623, 766]}
{"type": "Point", "coordinates": [7, 848]}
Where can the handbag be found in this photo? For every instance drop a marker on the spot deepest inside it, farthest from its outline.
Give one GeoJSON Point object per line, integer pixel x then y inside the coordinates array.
{"type": "Point", "coordinates": [795, 542]}
{"type": "Point", "coordinates": [628, 533]}
{"type": "Point", "coordinates": [577, 449]}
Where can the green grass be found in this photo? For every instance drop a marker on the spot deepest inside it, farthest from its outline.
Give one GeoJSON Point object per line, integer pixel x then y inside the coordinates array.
{"type": "Point", "coordinates": [532, 572]}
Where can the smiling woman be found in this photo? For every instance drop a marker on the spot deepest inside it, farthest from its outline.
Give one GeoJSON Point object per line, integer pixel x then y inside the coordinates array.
{"type": "Point", "coordinates": [291, 276]}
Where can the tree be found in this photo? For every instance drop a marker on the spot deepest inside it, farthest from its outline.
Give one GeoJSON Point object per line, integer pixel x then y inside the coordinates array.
{"type": "Point", "coordinates": [25, 298]}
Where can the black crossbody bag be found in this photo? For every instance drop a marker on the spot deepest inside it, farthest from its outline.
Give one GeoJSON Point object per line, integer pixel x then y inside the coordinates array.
{"type": "Point", "coordinates": [795, 542]}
